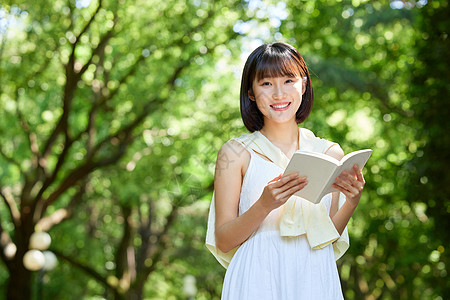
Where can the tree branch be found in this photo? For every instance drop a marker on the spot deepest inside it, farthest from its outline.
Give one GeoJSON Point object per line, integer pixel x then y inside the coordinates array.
{"type": "Point", "coordinates": [131, 71]}
{"type": "Point", "coordinates": [134, 67]}
{"type": "Point", "coordinates": [12, 206]}
{"type": "Point", "coordinates": [81, 172]}
{"type": "Point", "coordinates": [88, 270]}
{"type": "Point", "coordinates": [123, 136]}
{"type": "Point", "coordinates": [31, 136]}
{"type": "Point", "coordinates": [50, 179]}
{"type": "Point", "coordinates": [103, 99]}
{"type": "Point", "coordinates": [46, 61]}
{"type": "Point", "coordinates": [70, 180]}
{"type": "Point", "coordinates": [62, 126]}
{"type": "Point", "coordinates": [121, 253]}
{"type": "Point", "coordinates": [86, 27]}
{"type": "Point", "coordinates": [145, 232]}
{"type": "Point", "coordinates": [73, 77]}
{"type": "Point", "coordinates": [10, 159]}
{"type": "Point", "coordinates": [32, 139]}
{"type": "Point", "coordinates": [101, 45]}
{"type": "Point", "coordinates": [125, 131]}
{"type": "Point", "coordinates": [62, 214]}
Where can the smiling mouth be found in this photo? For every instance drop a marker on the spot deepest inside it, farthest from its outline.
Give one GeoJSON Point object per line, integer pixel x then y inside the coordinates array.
{"type": "Point", "coordinates": [280, 106]}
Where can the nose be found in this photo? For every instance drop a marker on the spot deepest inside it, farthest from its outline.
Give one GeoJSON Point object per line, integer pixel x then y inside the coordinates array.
{"type": "Point", "coordinates": [278, 92]}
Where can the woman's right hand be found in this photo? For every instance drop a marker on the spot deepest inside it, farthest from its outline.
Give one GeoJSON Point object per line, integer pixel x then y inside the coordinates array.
{"type": "Point", "coordinates": [280, 189]}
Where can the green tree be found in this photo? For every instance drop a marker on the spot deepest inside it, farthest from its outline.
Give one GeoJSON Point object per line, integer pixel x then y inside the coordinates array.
{"type": "Point", "coordinates": [428, 183]}
{"type": "Point", "coordinates": [83, 83]}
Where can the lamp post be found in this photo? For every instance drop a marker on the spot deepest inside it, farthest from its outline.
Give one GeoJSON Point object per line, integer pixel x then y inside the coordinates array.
{"type": "Point", "coordinates": [38, 258]}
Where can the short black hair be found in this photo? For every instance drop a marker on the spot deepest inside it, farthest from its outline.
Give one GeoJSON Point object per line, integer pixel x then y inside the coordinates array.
{"type": "Point", "coordinates": [273, 60]}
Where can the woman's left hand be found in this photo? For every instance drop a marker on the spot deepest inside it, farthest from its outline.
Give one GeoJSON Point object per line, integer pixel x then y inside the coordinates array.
{"type": "Point", "coordinates": [350, 183]}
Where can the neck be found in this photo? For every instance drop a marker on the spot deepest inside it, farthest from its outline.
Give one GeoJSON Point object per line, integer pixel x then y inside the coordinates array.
{"type": "Point", "coordinates": [285, 134]}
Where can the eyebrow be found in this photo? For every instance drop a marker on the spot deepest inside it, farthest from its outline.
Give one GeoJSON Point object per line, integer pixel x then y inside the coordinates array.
{"type": "Point", "coordinates": [287, 75]}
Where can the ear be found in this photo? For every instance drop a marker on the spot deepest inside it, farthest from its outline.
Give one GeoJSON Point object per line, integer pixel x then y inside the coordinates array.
{"type": "Point", "coordinates": [250, 95]}
{"type": "Point", "coordinates": [304, 84]}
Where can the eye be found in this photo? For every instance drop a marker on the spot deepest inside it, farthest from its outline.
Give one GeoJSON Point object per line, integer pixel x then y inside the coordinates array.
{"type": "Point", "coordinates": [265, 83]}
{"type": "Point", "coordinates": [290, 80]}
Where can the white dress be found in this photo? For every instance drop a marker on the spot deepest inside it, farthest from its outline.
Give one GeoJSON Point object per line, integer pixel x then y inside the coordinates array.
{"type": "Point", "coordinates": [268, 266]}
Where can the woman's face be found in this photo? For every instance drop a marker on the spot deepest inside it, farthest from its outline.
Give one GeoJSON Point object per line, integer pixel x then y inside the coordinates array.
{"type": "Point", "coordinates": [278, 98]}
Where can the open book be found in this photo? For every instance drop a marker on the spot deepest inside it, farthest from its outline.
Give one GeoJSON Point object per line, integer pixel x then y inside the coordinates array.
{"type": "Point", "coordinates": [321, 170]}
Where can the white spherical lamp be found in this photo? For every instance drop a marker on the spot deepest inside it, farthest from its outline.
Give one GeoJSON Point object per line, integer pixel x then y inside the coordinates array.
{"type": "Point", "coordinates": [33, 260]}
{"type": "Point", "coordinates": [10, 250]}
{"type": "Point", "coordinates": [50, 260]}
{"type": "Point", "coordinates": [40, 241]}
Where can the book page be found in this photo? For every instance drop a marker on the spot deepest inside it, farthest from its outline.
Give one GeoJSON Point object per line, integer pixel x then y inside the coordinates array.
{"type": "Point", "coordinates": [317, 167]}
{"type": "Point", "coordinates": [358, 157]}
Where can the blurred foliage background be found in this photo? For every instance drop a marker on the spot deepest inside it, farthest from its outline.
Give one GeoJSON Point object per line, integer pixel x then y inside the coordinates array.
{"type": "Point", "coordinates": [112, 113]}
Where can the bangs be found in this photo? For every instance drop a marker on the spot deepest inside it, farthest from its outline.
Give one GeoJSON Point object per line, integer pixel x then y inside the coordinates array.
{"type": "Point", "coordinates": [278, 64]}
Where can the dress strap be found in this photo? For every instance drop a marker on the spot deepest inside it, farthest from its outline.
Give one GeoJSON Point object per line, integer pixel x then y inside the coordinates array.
{"type": "Point", "coordinates": [252, 152]}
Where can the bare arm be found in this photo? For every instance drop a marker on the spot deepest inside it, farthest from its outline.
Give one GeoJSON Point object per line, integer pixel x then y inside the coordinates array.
{"type": "Point", "coordinates": [351, 185]}
{"type": "Point", "coordinates": [231, 229]}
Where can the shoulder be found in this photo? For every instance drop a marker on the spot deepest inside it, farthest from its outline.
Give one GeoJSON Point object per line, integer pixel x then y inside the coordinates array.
{"type": "Point", "coordinates": [307, 133]}
{"type": "Point", "coordinates": [232, 156]}
{"type": "Point", "coordinates": [335, 151]}
{"type": "Point", "coordinates": [234, 150]}
{"type": "Point", "coordinates": [311, 142]}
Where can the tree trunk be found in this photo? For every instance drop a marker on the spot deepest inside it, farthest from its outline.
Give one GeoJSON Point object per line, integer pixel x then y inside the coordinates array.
{"type": "Point", "coordinates": [135, 294]}
{"type": "Point", "coordinates": [19, 281]}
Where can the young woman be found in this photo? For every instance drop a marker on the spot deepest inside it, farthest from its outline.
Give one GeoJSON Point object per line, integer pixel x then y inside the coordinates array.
{"type": "Point", "coordinates": [273, 244]}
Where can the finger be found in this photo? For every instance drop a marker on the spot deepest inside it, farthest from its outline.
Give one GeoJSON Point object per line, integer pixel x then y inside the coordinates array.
{"type": "Point", "coordinates": [284, 196]}
{"type": "Point", "coordinates": [278, 188]}
{"type": "Point", "coordinates": [362, 179]}
{"type": "Point", "coordinates": [276, 178]}
{"type": "Point", "coordinates": [345, 177]}
{"type": "Point", "coordinates": [352, 180]}
{"type": "Point", "coordinates": [343, 191]}
{"type": "Point", "coordinates": [352, 172]}
{"type": "Point", "coordinates": [289, 177]}
{"type": "Point", "coordinates": [346, 188]}
{"type": "Point", "coordinates": [292, 183]}
{"type": "Point", "coordinates": [350, 184]}
{"type": "Point", "coordinates": [359, 174]}
{"type": "Point", "coordinates": [355, 169]}
{"type": "Point", "coordinates": [285, 179]}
